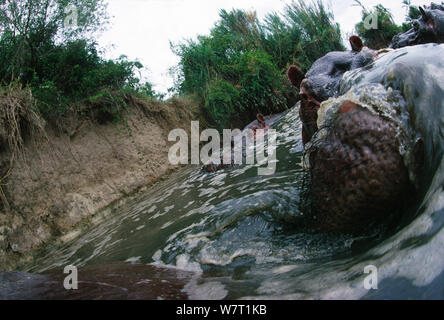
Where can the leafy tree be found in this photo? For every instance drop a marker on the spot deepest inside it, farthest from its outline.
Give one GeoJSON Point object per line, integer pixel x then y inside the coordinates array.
{"type": "Point", "coordinates": [74, 71]}
{"type": "Point", "coordinates": [49, 46]}
{"type": "Point", "coordinates": [68, 18]}
{"type": "Point", "coordinates": [30, 26]}
{"type": "Point", "coordinates": [412, 14]}
{"type": "Point", "coordinates": [382, 36]}
{"type": "Point", "coordinates": [239, 68]}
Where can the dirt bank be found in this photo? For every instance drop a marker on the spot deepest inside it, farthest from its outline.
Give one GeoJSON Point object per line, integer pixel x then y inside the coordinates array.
{"type": "Point", "coordinates": [71, 176]}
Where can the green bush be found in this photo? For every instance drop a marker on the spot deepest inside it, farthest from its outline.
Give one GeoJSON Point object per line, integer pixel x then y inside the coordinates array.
{"type": "Point", "coordinates": [222, 100]}
{"type": "Point", "coordinates": [70, 73]}
{"type": "Point", "coordinates": [312, 33]}
{"type": "Point", "coordinates": [62, 65]}
{"type": "Point", "coordinates": [239, 68]}
{"type": "Point", "coordinates": [106, 106]}
{"type": "Point", "coordinates": [382, 36]}
{"type": "Point", "coordinates": [259, 83]}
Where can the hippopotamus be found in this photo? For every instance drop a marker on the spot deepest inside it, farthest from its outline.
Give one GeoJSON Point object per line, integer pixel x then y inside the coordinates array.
{"type": "Point", "coordinates": [357, 173]}
{"type": "Point", "coordinates": [261, 123]}
{"type": "Point", "coordinates": [378, 142]}
{"type": "Point", "coordinates": [322, 80]}
{"type": "Point", "coordinates": [429, 28]}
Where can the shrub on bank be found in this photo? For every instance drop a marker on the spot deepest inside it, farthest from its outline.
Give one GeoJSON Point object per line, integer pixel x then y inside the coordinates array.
{"type": "Point", "coordinates": [239, 69]}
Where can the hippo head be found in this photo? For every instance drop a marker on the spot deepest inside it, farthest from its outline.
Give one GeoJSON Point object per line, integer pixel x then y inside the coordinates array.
{"type": "Point", "coordinates": [428, 28]}
{"type": "Point", "coordinates": [322, 81]}
{"type": "Point", "coordinates": [358, 175]}
{"type": "Point", "coordinates": [362, 159]}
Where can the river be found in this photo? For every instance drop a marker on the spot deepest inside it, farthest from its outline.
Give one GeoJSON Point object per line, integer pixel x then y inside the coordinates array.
{"type": "Point", "coordinates": [239, 235]}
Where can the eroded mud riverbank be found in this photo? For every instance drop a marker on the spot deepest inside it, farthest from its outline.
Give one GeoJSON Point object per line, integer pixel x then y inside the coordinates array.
{"type": "Point", "coordinates": [70, 177]}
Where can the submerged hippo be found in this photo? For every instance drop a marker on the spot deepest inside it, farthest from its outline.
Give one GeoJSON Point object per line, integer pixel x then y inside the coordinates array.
{"type": "Point", "coordinates": [323, 79]}
{"type": "Point", "coordinates": [257, 127]}
{"type": "Point", "coordinates": [358, 175]}
{"type": "Point", "coordinates": [429, 28]}
{"type": "Point", "coordinates": [364, 155]}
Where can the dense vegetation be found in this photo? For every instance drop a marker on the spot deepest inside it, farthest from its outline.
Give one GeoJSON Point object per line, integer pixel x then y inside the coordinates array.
{"type": "Point", "coordinates": [381, 37]}
{"type": "Point", "coordinates": [42, 48]}
{"type": "Point", "coordinates": [51, 69]}
{"type": "Point", "coordinates": [239, 68]}
{"type": "Point", "coordinates": [235, 71]}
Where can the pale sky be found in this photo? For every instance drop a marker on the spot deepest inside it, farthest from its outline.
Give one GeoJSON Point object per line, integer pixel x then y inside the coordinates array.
{"type": "Point", "coordinates": [142, 29]}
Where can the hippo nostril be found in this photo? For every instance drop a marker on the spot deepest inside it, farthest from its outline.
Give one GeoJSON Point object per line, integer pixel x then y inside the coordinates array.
{"type": "Point", "coordinates": [304, 96]}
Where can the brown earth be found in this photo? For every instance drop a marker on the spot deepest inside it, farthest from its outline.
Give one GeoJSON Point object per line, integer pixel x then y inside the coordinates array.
{"type": "Point", "coordinates": [73, 176]}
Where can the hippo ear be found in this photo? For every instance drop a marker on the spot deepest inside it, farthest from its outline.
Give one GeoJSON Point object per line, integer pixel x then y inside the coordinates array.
{"type": "Point", "coordinates": [260, 118]}
{"type": "Point", "coordinates": [424, 15]}
{"type": "Point", "coordinates": [356, 43]}
{"type": "Point", "coordinates": [295, 75]}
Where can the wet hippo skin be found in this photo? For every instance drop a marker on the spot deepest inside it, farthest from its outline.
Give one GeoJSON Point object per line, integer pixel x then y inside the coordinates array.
{"type": "Point", "coordinates": [322, 81]}
{"type": "Point", "coordinates": [429, 28]}
{"type": "Point", "coordinates": [358, 175]}
{"type": "Point", "coordinates": [326, 73]}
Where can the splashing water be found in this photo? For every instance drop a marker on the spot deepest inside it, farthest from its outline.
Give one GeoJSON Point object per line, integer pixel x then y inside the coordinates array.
{"type": "Point", "coordinates": [238, 232]}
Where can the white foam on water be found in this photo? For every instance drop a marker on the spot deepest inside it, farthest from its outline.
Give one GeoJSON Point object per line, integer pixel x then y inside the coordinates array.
{"type": "Point", "coordinates": [183, 263]}
{"type": "Point", "coordinates": [205, 291]}
{"type": "Point", "coordinates": [283, 269]}
{"type": "Point", "coordinates": [133, 259]}
{"type": "Point", "coordinates": [166, 225]}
